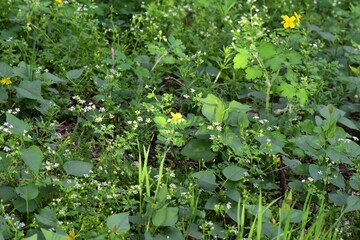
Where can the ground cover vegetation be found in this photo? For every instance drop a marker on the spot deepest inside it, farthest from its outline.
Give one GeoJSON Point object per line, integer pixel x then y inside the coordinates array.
{"type": "Point", "coordinates": [187, 119]}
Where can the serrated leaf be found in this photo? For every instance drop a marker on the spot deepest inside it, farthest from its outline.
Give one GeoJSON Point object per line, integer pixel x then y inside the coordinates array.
{"type": "Point", "coordinates": [77, 168]}
{"type": "Point", "coordinates": [287, 90]}
{"type": "Point", "coordinates": [142, 72]}
{"type": "Point", "coordinates": [253, 73]}
{"type": "Point", "coordinates": [241, 59]}
{"type": "Point", "coordinates": [266, 50]}
{"type": "Point", "coordinates": [32, 157]}
{"type": "Point", "coordinates": [301, 94]}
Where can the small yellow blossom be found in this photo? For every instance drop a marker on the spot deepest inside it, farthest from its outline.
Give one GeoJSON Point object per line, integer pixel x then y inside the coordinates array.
{"type": "Point", "coordinates": [5, 81]}
{"type": "Point", "coordinates": [298, 17]}
{"type": "Point", "coordinates": [176, 117]}
{"type": "Point", "coordinates": [289, 21]}
{"type": "Point", "coordinates": [58, 1]}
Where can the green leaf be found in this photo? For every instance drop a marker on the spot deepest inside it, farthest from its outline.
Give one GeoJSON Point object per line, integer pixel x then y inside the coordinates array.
{"type": "Point", "coordinates": [74, 74]}
{"type": "Point", "coordinates": [30, 90]}
{"type": "Point", "coordinates": [3, 95]}
{"type": "Point", "coordinates": [253, 73]}
{"type": "Point", "coordinates": [317, 172]}
{"type": "Point", "coordinates": [302, 96]}
{"type": "Point", "coordinates": [234, 173]}
{"type": "Point", "coordinates": [160, 121]}
{"type": "Point", "coordinates": [47, 216]}
{"type": "Point", "coordinates": [141, 72]}
{"type": "Point", "coordinates": [28, 192]}
{"type": "Point", "coordinates": [353, 204]}
{"type": "Point", "coordinates": [24, 206]}
{"type": "Point", "coordinates": [337, 178]}
{"type": "Point", "coordinates": [167, 216]}
{"type": "Point", "coordinates": [52, 78]}
{"type": "Point", "coordinates": [241, 59]}
{"type": "Point", "coordinates": [5, 162]}
{"type": "Point", "coordinates": [294, 58]}
{"type": "Point", "coordinates": [287, 90]}
{"type": "Point", "coordinates": [52, 235]}
{"type": "Point", "coordinates": [348, 123]}
{"type": "Point", "coordinates": [118, 223]}
{"type": "Point", "coordinates": [266, 50]}
{"type": "Point", "coordinates": [7, 193]}
{"type": "Point", "coordinates": [355, 182]}
{"type": "Point", "coordinates": [198, 150]}
{"type": "Point", "coordinates": [207, 180]}
{"type": "Point", "coordinates": [338, 198]}
{"type": "Point", "coordinates": [32, 157]}
{"type": "Point", "coordinates": [77, 168]}
{"type": "Point", "coordinates": [213, 108]}
{"type": "Point", "coordinates": [19, 127]}
{"type": "Point", "coordinates": [5, 70]}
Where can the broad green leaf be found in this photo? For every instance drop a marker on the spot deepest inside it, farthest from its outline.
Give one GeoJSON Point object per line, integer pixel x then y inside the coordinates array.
{"type": "Point", "coordinates": [74, 74]}
{"type": "Point", "coordinates": [5, 162]}
{"type": "Point", "coordinates": [49, 235]}
{"type": "Point", "coordinates": [47, 216]}
{"type": "Point", "coordinates": [353, 204]}
{"type": "Point", "coordinates": [213, 108]}
{"type": "Point", "coordinates": [348, 123]}
{"type": "Point", "coordinates": [77, 168]}
{"type": "Point", "coordinates": [162, 194]}
{"type": "Point", "coordinates": [19, 127]}
{"type": "Point", "coordinates": [167, 216]}
{"type": "Point", "coordinates": [241, 59]}
{"type": "Point", "coordinates": [355, 182]}
{"type": "Point", "coordinates": [276, 62]}
{"type": "Point", "coordinates": [27, 192]}
{"type": "Point", "coordinates": [234, 173]}
{"type": "Point", "coordinates": [210, 104]}
{"type": "Point", "coordinates": [198, 150]}
{"type": "Point", "coordinates": [253, 73]}
{"type": "Point", "coordinates": [5, 70]}
{"type": "Point", "coordinates": [3, 95]}
{"type": "Point", "coordinates": [294, 215]}
{"type": "Point", "coordinates": [30, 90]}
{"type": "Point", "coordinates": [233, 141]}
{"type": "Point", "coordinates": [33, 237]}
{"type": "Point", "coordinates": [254, 210]}
{"type": "Point", "coordinates": [266, 50]}
{"type": "Point", "coordinates": [207, 180]}
{"type": "Point", "coordinates": [7, 193]}
{"type": "Point", "coordinates": [141, 72]}
{"type": "Point", "coordinates": [118, 223]}
{"type": "Point", "coordinates": [337, 178]}
{"type": "Point", "coordinates": [32, 157]}
{"type": "Point", "coordinates": [317, 172]}
{"type": "Point", "coordinates": [338, 198]}
{"type": "Point", "coordinates": [52, 78]}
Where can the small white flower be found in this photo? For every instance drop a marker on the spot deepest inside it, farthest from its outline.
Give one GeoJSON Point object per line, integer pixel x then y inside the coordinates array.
{"type": "Point", "coordinates": [186, 96]}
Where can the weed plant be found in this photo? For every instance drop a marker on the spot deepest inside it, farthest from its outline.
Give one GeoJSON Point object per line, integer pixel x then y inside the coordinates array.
{"type": "Point", "coordinates": [180, 119]}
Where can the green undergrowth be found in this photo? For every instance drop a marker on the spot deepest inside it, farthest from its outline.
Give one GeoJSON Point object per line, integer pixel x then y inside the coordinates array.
{"type": "Point", "coordinates": [189, 119]}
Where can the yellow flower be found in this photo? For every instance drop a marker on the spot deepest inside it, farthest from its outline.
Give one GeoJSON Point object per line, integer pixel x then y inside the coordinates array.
{"type": "Point", "coordinates": [5, 81]}
{"type": "Point", "coordinates": [58, 1]}
{"type": "Point", "coordinates": [289, 21]}
{"type": "Point", "coordinates": [298, 17]}
{"type": "Point", "coordinates": [176, 117]}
